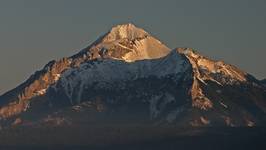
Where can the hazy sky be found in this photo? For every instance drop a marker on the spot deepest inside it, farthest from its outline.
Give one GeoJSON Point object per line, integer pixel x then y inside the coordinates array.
{"type": "Point", "coordinates": [33, 32]}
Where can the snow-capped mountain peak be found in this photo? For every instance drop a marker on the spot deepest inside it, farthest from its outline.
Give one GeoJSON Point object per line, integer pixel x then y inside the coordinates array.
{"type": "Point", "coordinates": [123, 42]}
{"type": "Point", "coordinates": [127, 42]}
{"type": "Point", "coordinates": [125, 31]}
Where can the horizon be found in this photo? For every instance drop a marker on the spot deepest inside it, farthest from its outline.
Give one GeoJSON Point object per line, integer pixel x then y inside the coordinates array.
{"type": "Point", "coordinates": [43, 32]}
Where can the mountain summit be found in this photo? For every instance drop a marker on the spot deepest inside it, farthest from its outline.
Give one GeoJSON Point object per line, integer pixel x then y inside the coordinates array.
{"type": "Point", "coordinates": [129, 43]}
{"type": "Point", "coordinates": [129, 75]}
{"type": "Point", "coordinates": [125, 31]}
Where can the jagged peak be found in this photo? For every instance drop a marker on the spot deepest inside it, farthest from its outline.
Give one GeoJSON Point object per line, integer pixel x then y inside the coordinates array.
{"type": "Point", "coordinates": [125, 31]}
{"type": "Point", "coordinates": [206, 67]}
{"type": "Point", "coordinates": [189, 52]}
{"type": "Point", "coordinates": [126, 42]}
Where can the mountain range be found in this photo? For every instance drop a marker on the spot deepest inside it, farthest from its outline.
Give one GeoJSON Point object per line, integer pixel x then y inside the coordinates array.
{"type": "Point", "coordinates": [130, 76]}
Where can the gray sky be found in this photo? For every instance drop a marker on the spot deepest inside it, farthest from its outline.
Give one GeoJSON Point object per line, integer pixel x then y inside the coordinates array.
{"type": "Point", "coordinates": [33, 32]}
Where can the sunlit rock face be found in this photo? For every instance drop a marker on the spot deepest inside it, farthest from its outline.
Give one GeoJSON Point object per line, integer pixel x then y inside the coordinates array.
{"type": "Point", "coordinates": [129, 74]}
{"type": "Point", "coordinates": [129, 43]}
{"type": "Point", "coordinates": [209, 70]}
{"type": "Point", "coordinates": [224, 94]}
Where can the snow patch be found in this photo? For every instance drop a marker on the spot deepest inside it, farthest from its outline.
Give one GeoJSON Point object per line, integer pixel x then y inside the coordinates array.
{"type": "Point", "coordinates": [41, 92]}
{"type": "Point", "coordinates": [57, 77]}
{"type": "Point", "coordinates": [225, 106]}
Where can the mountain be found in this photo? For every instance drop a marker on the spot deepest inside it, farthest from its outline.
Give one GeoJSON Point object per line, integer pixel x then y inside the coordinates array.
{"type": "Point", "coordinates": [128, 75]}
